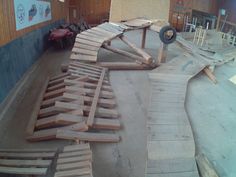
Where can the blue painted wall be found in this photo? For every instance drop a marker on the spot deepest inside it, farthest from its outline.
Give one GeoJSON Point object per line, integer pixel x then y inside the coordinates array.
{"type": "Point", "coordinates": [18, 56]}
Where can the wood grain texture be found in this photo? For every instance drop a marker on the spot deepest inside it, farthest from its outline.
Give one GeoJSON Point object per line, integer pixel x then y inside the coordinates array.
{"type": "Point", "coordinates": [171, 147]}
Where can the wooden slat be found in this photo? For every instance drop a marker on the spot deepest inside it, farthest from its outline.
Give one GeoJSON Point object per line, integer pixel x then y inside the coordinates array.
{"type": "Point", "coordinates": [49, 134]}
{"type": "Point", "coordinates": [60, 119]}
{"type": "Point", "coordinates": [29, 150]}
{"type": "Point", "coordinates": [85, 46]}
{"type": "Point", "coordinates": [76, 147]}
{"type": "Point", "coordinates": [25, 163]}
{"type": "Point", "coordinates": [86, 136]}
{"type": "Point", "coordinates": [75, 165]}
{"type": "Point", "coordinates": [74, 159]}
{"type": "Point", "coordinates": [92, 111]}
{"type": "Point", "coordinates": [69, 82]}
{"type": "Point", "coordinates": [141, 52]}
{"type": "Point", "coordinates": [90, 38]}
{"type": "Point", "coordinates": [83, 57]}
{"type": "Point", "coordinates": [23, 171]}
{"type": "Point", "coordinates": [71, 173]}
{"type": "Point", "coordinates": [85, 51]}
{"type": "Point", "coordinates": [74, 154]}
{"type": "Point", "coordinates": [82, 41]}
{"type": "Point", "coordinates": [34, 114]}
{"type": "Point", "coordinates": [27, 155]}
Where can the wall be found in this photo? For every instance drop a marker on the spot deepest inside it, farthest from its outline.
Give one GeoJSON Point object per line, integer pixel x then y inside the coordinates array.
{"type": "Point", "coordinates": [229, 6]}
{"type": "Point", "coordinates": [20, 49]}
{"type": "Point", "coordinates": [7, 20]}
{"type": "Point", "coordinates": [128, 9]}
{"type": "Point", "coordinates": [93, 11]}
{"type": "Point", "coordinates": [181, 8]}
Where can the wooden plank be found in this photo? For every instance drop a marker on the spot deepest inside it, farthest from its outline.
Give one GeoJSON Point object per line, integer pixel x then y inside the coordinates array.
{"type": "Point", "coordinates": [90, 38]}
{"type": "Point", "coordinates": [111, 34]}
{"type": "Point", "coordinates": [144, 38]}
{"type": "Point", "coordinates": [69, 82]}
{"type": "Point", "coordinates": [102, 112]}
{"type": "Point", "coordinates": [205, 167]}
{"type": "Point", "coordinates": [49, 134]}
{"type": "Point", "coordinates": [85, 91]}
{"type": "Point", "coordinates": [92, 35]}
{"type": "Point", "coordinates": [71, 173]}
{"type": "Point", "coordinates": [146, 56]}
{"type": "Point", "coordinates": [23, 171]}
{"type": "Point", "coordinates": [171, 166]}
{"type": "Point", "coordinates": [86, 136]}
{"type": "Point", "coordinates": [29, 150]}
{"type": "Point", "coordinates": [36, 109]}
{"type": "Point", "coordinates": [85, 51]}
{"type": "Point", "coordinates": [59, 76]}
{"type": "Point", "coordinates": [25, 163]}
{"type": "Point", "coordinates": [82, 41]}
{"type": "Point", "coordinates": [123, 52]}
{"type": "Point", "coordinates": [124, 66]}
{"type": "Point", "coordinates": [210, 75]}
{"type": "Point", "coordinates": [110, 28]}
{"type": "Point", "coordinates": [107, 124]}
{"type": "Point", "coordinates": [92, 111]}
{"type": "Point", "coordinates": [84, 69]}
{"type": "Point", "coordinates": [75, 165]}
{"type": "Point", "coordinates": [85, 46]}
{"type": "Point", "coordinates": [74, 159]}
{"type": "Point", "coordinates": [74, 154]}
{"type": "Point", "coordinates": [59, 119]}
{"type": "Point", "coordinates": [27, 155]}
{"type": "Point", "coordinates": [83, 57]}
{"type": "Point", "coordinates": [76, 147]}
{"type": "Point", "coordinates": [89, 67]}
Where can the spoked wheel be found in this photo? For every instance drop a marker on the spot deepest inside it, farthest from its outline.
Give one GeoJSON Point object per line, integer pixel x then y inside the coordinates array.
{"type": "Point", "coordinates": [168, 34]}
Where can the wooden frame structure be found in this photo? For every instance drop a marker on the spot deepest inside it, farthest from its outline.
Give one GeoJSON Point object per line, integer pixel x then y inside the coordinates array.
{"type": "Point", "coordinates": [73, 103]}
{"type": "Point", "coordinates": [88, 43]}
{"type": "Point", "coordinates": [31, 162]}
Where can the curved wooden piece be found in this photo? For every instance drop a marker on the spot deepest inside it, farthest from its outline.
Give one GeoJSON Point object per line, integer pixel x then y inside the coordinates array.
{"type": "Point", "coordinates": [171, 147]}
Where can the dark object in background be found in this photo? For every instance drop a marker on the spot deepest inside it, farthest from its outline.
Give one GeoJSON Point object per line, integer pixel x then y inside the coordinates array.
{"type": "Point", "coordinates": [60, 36]}
{"type": "Point", "coordinates": [66, 34]}
{"type": "Point", "coordinates": [167, 34]}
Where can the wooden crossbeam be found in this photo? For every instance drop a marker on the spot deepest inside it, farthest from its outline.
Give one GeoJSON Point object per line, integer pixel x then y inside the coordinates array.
{"type": "Point", "coordinates": [91, 116]}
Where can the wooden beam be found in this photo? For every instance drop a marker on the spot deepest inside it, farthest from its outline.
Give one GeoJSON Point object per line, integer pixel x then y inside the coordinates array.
{"type": "Point", "coordinates": [124, 66]}
{"type": "Point", "coordinates": [144, 38]}
{"type": "Point", "coordinates": [210, 75]}
{"type": "Point", "coordinates": [36, 109]}
{"type": "Point", "coordinates": [147, 58]}
{"type": "Point", "coordinates": [23, 171]}
{"type": "Point", "coordinates": [92, 111]}
{"type": "Point", "coordinates": [124, 53]}
{"type": "Point", "coordinates": [87, 136]}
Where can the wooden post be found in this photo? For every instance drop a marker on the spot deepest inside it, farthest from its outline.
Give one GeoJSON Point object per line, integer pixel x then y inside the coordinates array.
{"type": "Point", "coordinates": [144, 37]}
{"type": "Point", "coordinates": [162, 53]}
{"type": "Point", "coordinates": [218, 21]}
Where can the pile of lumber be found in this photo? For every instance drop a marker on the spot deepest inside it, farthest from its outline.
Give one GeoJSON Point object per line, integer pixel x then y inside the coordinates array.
{"type": "Point", "coordinates": [26, 161]}
{"type": "Point", "coordinates": [75, 103]}
{"type": "Point", "coordinates": [75, 160]}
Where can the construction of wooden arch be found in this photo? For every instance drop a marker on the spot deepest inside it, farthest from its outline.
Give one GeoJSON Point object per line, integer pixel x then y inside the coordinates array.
{"type": "Point", "coordinates": [88, 43]}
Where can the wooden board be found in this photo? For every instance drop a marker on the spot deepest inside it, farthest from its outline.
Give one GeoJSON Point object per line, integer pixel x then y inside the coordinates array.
{"type": "Point", "coordinates": [86, 136]}
{"type": "Point", "coordinates": [92, 111]}
{"type": "Point", "coordinates": [171, 147]}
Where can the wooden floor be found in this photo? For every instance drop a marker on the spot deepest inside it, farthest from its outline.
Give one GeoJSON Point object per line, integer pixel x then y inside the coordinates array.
{"type": "Point", "coordinates": [171, 147]}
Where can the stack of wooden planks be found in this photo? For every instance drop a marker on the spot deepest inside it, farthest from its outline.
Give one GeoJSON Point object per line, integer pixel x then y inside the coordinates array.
{"type": "Point", "coordinates": [75, 160]}
{"type": "Point", "coordinates": [26, 161]}
{"type": "Point", "coordinates": [73, 103]}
